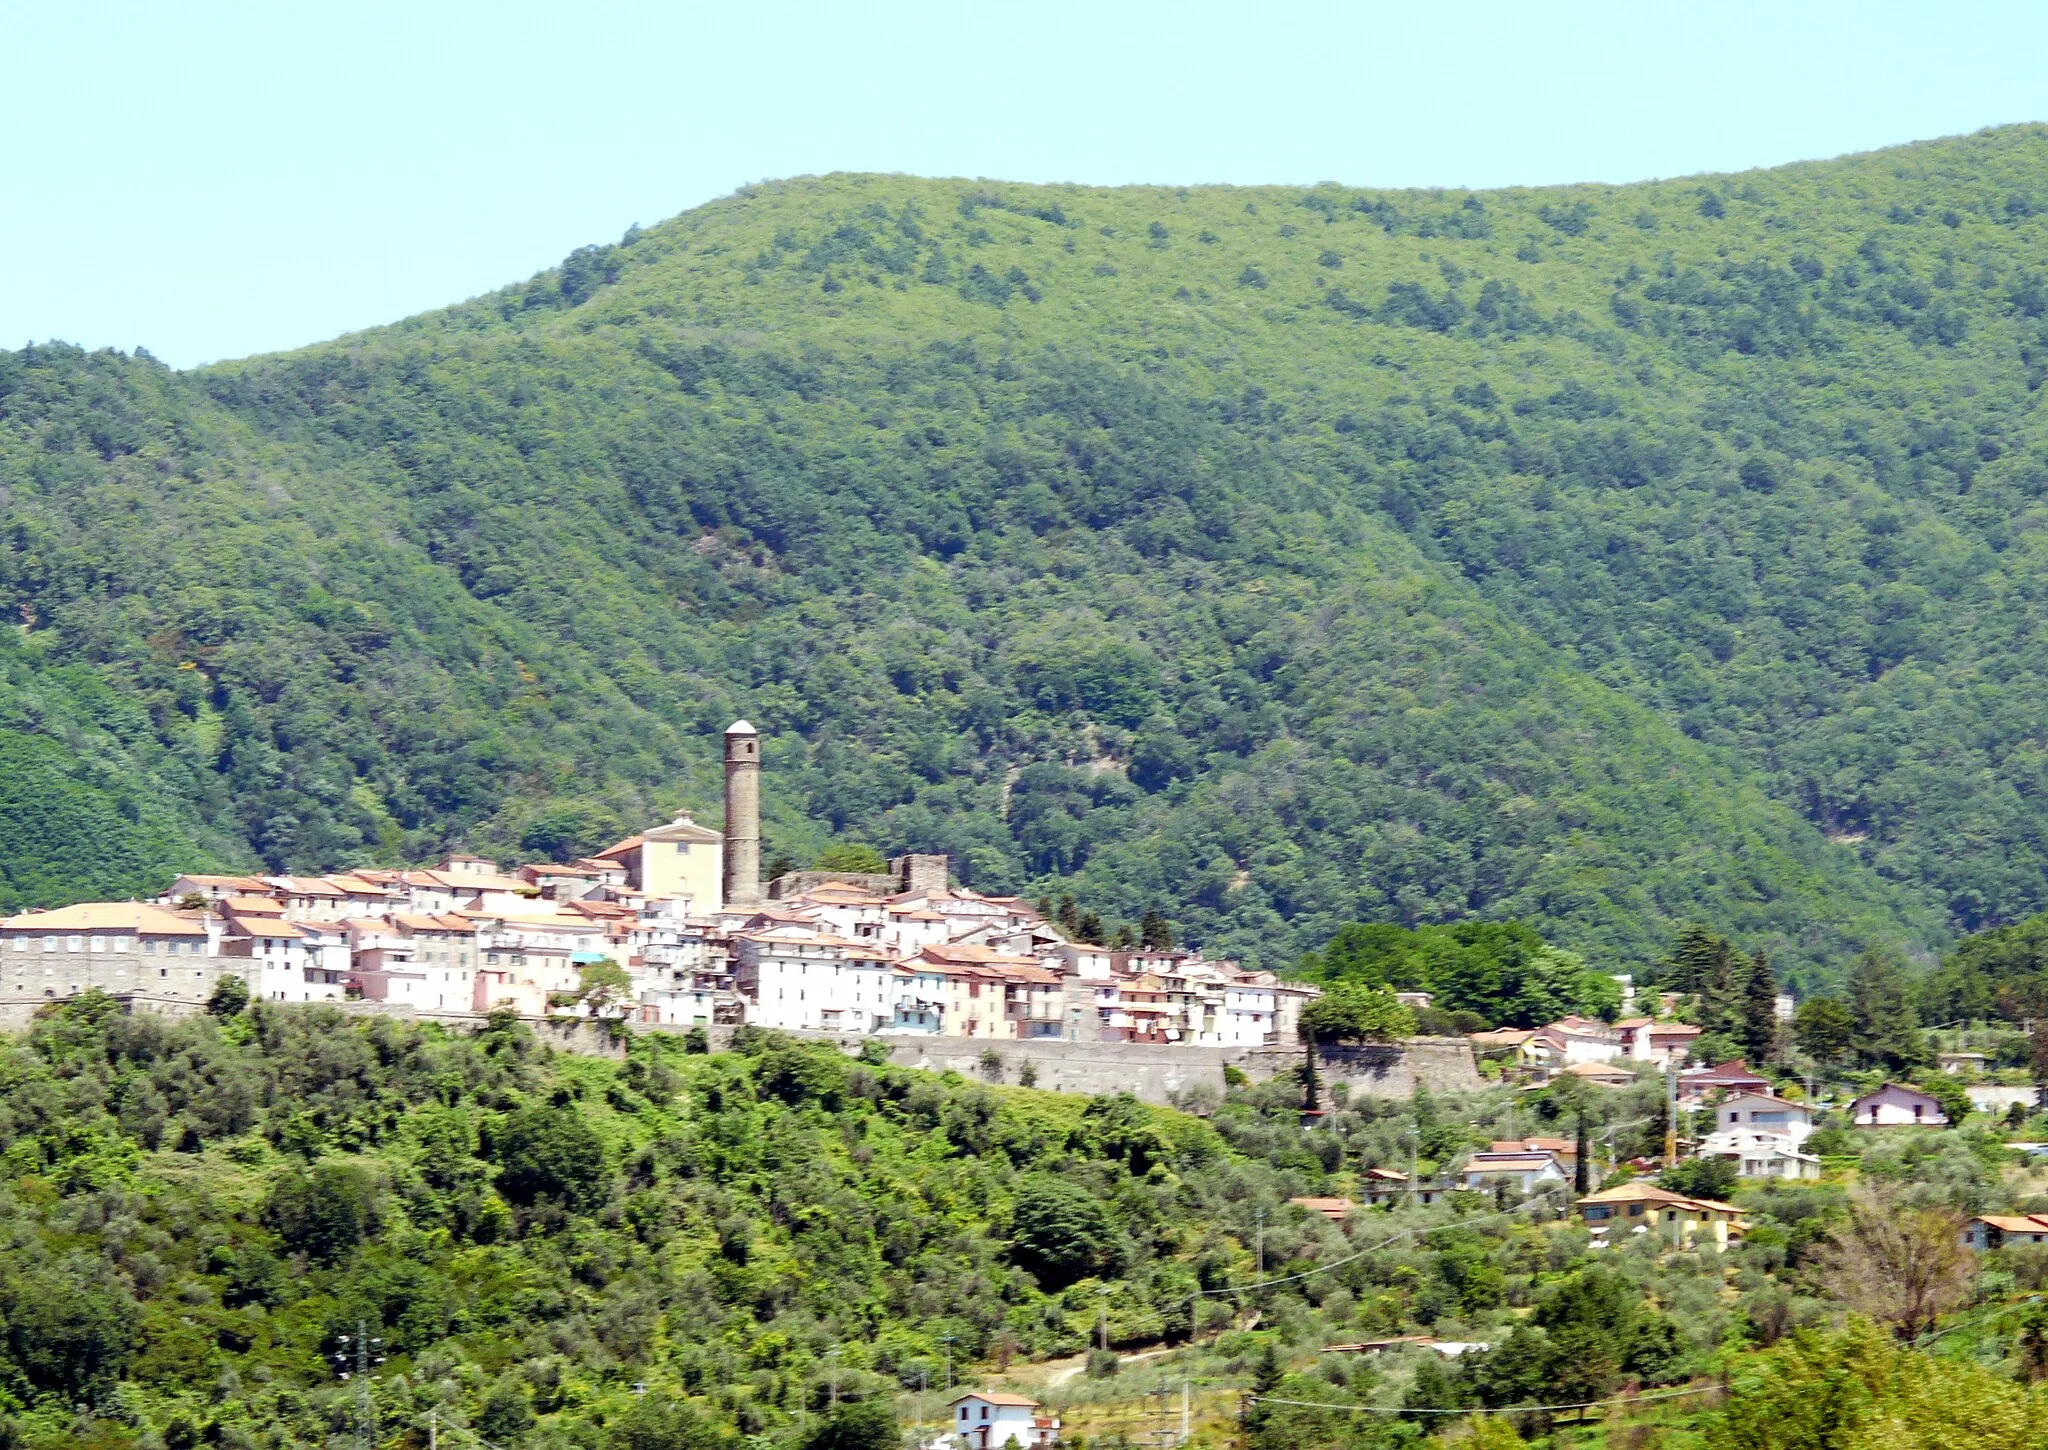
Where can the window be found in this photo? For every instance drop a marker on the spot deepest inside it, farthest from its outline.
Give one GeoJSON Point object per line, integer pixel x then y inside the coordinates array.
{"type": "Point", "coordinates": [75, 943]}
{"type": "Point", "coordinates": [99, 943]}
{"type": "Point", "coordinates": [21, 943]}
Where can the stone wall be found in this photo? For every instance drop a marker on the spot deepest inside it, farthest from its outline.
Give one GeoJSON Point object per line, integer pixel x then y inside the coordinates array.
{"type": "Point", "coordinates": [1160, 1074]}
{"type": "Point", "coordinates": [31, 978]}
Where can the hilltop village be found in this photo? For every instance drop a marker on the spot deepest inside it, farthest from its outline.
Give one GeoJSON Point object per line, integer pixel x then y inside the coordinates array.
{"type": "Point", "coordinates": [670, 928]}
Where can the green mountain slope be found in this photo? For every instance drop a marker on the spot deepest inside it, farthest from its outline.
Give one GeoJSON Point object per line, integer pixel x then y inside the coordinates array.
{"type": "Point", "coordinates": [1592, 555]}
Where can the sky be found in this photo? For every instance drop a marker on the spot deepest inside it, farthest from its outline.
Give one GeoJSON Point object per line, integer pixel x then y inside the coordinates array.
{"type": "Point", "coordinates": [214, 180]}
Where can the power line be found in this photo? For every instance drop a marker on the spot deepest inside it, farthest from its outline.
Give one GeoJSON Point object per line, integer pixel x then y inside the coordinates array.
{"type": "Point", "coordinates": [1354, 1258]}
{"type": "Point", "coordinates": [1502, 1410]}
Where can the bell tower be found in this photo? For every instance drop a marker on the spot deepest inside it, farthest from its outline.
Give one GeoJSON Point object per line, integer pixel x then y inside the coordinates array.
{"type": "Point", "coordinates": [742, 815]}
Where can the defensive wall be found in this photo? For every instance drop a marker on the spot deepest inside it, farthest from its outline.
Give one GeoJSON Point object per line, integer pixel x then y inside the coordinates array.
{"type": "Point", "coordinates": [1155, 1072]}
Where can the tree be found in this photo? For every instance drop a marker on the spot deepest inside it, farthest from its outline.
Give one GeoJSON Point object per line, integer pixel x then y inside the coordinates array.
{"type": "Point", "coordinates": [1700, 1178]}
{"type": "Point", "coordinates": [1155, 933]}
{"type": "Point", "coordinates": [68, 1334]}
{"type": "Point", "coordinates": [230, 996]}
{"type": "Point", "coordinates": [1901, 1266]}
{"type": "Point", "coordinates": [1698, 960]}
{"type": "Point", "coordinates": [1760, 1011]}
{"type": "Point", "coordinates": [1060, 1232]}
{"type": "Point", "coordinates": [1885, 1020]}
{"type": "Point", "coordinates": [852, 856]}
{"type": "Point", "coordinates": [2037, 1061]}
{"type": "Point", "coordinates": [507, 1414]}
{"type": "Point", "coordinates": [1354, 1012]}
{"type": "Point", "coordinates": [855, 1425]}
{"type": "Point", "coordinates": [1955, 1102]}
{"type": "Point", "coordinates": [323, 1214]}
{"type": "Point", "coordinates": [1268, 1374]}
{"type": "Point", "coordinates": [568, 829]}
{"type": "Point", "coordinates": [656, 1421]}
{"type": "Point", "coordinates": [605, 985]}
{"type": "Point", "coordinates": [550, 1153]}
{"type": "Point", "coordinates": [1824, 1029]}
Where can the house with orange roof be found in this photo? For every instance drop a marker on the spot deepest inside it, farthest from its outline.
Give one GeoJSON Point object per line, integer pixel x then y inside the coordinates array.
{"type": "Point", "coordinates": [309, 898]}
{"type": "Point", "coordinates": [416, 960]}
{"type": "Point", "coordinates": [211, 889]}
{"type": "Point", "coordinates": [288, 961]}
{"type": "Point", "coordinates": [1639, 1206]}
{"type": "Point", "coordinates": [560, 883]}
{"type": "Point", "coordinates": [991, 1419]}
{"type": "Point", "coordinates": [1650, 1040]}
{"type": "Point", "coordinates": [1996, 1230]}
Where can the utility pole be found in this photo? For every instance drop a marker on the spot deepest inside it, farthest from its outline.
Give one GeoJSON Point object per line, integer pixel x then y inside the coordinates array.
{"type": "Point", "coordinates": [1671, 1110]}
{"type": "Point", "coordinates": [434, 1428]}
{"type": "Point", "coordinates": [1186, 1406]}
{"type": "Point", "coordinates": [1260, 1217]}
{"type": "Point", "coordinates": [947, 1340]}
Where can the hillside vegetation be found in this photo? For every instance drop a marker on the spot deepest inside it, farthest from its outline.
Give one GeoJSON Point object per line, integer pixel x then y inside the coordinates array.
{"type": "Point", "coordinates": [779, 1248]}
{"type": "Point", "coordinates": [1605, 557]}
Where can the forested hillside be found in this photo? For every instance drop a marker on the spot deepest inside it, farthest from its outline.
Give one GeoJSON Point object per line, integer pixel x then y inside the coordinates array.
{"type": "Point", "coordinates": [1606, 557]}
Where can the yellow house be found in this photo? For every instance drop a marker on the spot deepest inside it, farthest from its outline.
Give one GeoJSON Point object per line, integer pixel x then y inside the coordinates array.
{"type": "Point", "coordinates": [681, 858]}
{"type": "Point", "coordinates": [1637, 1205]}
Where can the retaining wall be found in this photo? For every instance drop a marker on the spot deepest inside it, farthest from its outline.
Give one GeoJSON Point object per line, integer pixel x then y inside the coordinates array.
{"type": "Point", "coordinates": [1154, 1072]}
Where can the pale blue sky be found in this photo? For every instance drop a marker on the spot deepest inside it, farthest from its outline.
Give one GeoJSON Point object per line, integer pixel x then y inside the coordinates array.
{"type": "Point", "coordinates": [211, 180]}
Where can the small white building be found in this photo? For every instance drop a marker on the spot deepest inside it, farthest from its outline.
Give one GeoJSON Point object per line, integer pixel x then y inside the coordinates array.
{"type": "Point", "coordinates": [799, 977]}
{"type": "Point", "coordinates": [1571, 1040]}
{"type": "Point", "coordinates": [990, 1419]}
{"type": "Point", "coordinates": [1759, 1154]}
{"type": "Point", "coordinates": [1527, 1171]}
{"type": "Point", "coordinates": [1897, 1106]}
{"type": "Point", "coordinates": [1248, 1011]}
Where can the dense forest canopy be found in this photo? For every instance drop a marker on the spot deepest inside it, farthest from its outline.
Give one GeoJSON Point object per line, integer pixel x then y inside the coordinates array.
{"type": "Point", "coordinates": [1604, 557]}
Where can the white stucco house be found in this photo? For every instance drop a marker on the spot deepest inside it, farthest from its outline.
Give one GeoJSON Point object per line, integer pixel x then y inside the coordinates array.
{"type": "Point", "coordinates": [1757, 1154]}
{"type": "Point", "coordinates": [1765, 1113]}
{"type": "Point", "coordinates": [990, 1419]}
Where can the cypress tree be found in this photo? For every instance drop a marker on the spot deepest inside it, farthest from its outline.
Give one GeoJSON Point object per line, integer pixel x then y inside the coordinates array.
{"type": "Point", "coordinates": [1155, 933]}
{"type": "Point", "coordinates": [1693, 964]}
{"type": "Point", "coordinates": [1070, 918]}
{"type": "Point", "coordinates": [1760, 1010]}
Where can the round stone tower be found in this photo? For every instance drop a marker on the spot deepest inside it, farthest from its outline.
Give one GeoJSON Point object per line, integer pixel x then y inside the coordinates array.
{"type": "Point", "coordinates": [742, 815]}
